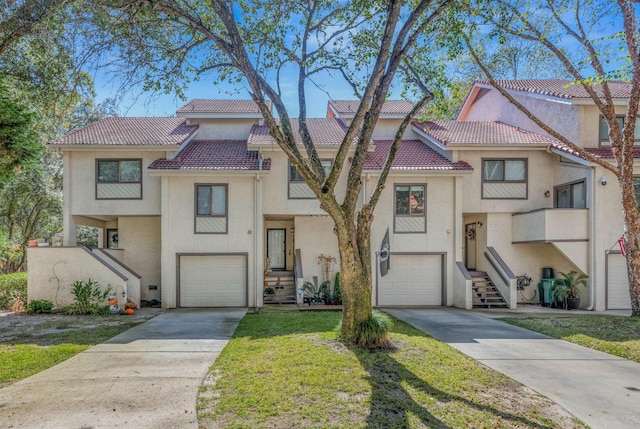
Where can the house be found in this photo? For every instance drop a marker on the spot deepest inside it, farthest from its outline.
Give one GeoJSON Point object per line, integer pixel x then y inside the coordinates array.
{"type": "Point", "coordinates": [207, 210]}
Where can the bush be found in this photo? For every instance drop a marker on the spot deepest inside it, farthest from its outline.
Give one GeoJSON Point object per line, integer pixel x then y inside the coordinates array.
{"type": "Point", "coordinates": [13, 290]}
{"type": "Point", "coordinates": [39, 306]}
{"type": "Point", "coordinates": [373, 333]}
{"type": "Point", "coordinates": [89, 298]}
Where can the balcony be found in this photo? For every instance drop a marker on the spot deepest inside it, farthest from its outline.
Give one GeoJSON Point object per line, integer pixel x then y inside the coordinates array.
{"type": "Point", "coordinates": [550, 225]}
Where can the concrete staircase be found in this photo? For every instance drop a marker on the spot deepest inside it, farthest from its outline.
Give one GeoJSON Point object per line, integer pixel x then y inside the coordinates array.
{"type": "Point", "coordinates": [484, 292]}
{"type": "Point", "coordinates": [283, 284]}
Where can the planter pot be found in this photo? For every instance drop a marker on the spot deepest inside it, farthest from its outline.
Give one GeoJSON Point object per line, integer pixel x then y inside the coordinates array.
{"type": "Point", "coordinates": [573, 303]}
{"type": "Point", "coordinates": [268, 298]}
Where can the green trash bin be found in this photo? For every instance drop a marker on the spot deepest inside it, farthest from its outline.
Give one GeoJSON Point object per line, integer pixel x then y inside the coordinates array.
{"type": "Point", "coordinates": [547, 297]}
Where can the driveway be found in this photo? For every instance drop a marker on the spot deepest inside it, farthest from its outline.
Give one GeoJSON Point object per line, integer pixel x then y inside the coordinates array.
{"type": "Point", "coordinates": [147, 377]}
{"type": "Point", "coordinates": [600, 389]}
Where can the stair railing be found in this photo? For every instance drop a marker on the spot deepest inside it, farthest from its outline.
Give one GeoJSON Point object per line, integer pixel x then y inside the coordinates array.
{"type": "Point", "coordinates": [506, 284]}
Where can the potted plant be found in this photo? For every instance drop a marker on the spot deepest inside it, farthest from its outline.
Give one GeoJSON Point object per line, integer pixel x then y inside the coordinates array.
{"type": "Point", "coordinates": [268, 293]}
{"type": "Point", "coordinates": [130, 306]}
{"type": "Point", "coordinates": [567, 290]}
{"type": "Point", "coordinates": [316, 295]}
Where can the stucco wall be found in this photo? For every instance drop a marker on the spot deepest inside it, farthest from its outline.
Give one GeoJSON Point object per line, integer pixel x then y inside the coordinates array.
{"type": "Point", "coordinates": [178, 228]}
{"type": "Point", "coordinates": [492, 106]}
{"type": "Point", "coordinates": [52, 271]}
{"type": "Point", "coordinates": [223, 129]}
{"type": "Point", "coordinates": [541, 167]}
{"type": "Point", "coordinates": [140, 239]}
{"type": "Point", "coordinates": [276, 200]}
{"type": "Point", "coordinates": [314, 237]}
{"type": "Point", "coordinates": [82, 194]}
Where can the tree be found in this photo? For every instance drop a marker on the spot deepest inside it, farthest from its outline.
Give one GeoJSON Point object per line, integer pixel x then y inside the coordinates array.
{"type": "Point", "coordinates": [606, 35]}
{"type": "Point", "coordinates": [18, 142]}
{"type": "Point", "coordinates": [260, 44]}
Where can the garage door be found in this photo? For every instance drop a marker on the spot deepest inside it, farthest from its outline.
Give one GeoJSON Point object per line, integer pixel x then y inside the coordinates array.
{"type": "Point", "coordinates": [412, 280]}
{"type": "Point", "coordinates": [213, 281]}
{"type": "Point", "coordinates": [617, 283]}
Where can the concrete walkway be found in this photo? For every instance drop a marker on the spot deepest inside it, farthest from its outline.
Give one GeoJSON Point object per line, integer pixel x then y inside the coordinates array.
{"type": "Point", "coordinates": [147, 377]}
{"type": "Point", "coordinates": [600, 389]}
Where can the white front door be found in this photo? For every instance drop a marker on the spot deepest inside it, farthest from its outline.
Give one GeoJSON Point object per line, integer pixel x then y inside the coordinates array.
{"type": "Point", "coordinates": [276, 248]}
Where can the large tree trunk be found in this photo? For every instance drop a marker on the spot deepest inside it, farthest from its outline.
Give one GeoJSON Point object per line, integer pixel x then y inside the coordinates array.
{"type": "Point", "coordinates": [355, 275]}
{"type": "Point", "coordinates": [632, 242]}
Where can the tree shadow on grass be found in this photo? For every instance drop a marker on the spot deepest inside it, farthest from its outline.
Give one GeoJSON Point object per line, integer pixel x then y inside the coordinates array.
{"type": "Point", "coordinates": [391, 403]}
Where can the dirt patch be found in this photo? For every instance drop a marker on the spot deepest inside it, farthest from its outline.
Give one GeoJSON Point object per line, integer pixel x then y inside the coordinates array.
{"type": "Point", "coordinates": [38, 328]}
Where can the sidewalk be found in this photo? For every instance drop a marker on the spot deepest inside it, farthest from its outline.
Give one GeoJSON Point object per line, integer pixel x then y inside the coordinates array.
{"type": "Point", "coordinates": [600, 389]}
{"type": "Point", "coordinates": [147, 377]}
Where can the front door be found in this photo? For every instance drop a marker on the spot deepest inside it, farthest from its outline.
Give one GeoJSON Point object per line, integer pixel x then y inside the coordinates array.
{"type": "Point", "coordinates": [470, 246]}
{"type": "Point", "coordinates": [277, 248]}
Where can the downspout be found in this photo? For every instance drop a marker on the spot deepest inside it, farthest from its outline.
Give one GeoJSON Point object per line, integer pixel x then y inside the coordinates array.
{"type": "Point", "coordinates": [592, 239]}
{"type": "Point", "coordinates": [257, 234]}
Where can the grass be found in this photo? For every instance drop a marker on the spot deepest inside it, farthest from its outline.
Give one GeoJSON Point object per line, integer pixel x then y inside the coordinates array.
{"type": "Point", "coordinates": [32, 351]}
{"type": "Point", "coordinates": [286, 369]}
{"type": "Point", "coordinates": [616, 335]}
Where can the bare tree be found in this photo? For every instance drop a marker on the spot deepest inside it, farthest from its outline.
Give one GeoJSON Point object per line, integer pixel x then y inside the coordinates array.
{"type": "Point", "coordinates": [600, 31]}
{"type": "Point", "coordinates": [373, 45]}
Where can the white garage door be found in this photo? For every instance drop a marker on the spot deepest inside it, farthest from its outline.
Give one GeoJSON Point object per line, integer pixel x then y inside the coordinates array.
{"type": "Point", "coordinates": [213, 281]}
{"type": "Point", "coordinates": [412, 280]}
{"type": "Point", "coordinates": [617, 283]}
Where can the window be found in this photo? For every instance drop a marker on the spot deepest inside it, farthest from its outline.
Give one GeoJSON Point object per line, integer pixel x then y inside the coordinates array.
{"type": "Point", "coordinates": [298, 188]}
{"type": "Point", "coordinates": [571, 195]}
{"type": "Point", "coordinates": [118, 179]}
{"type": "Point", "coordinates": [500, 170]}
{"type": "Point", "coordinates": [212, 200]}
{"type": "Point", "coordinates": [636, 188]}
{"type": "Point", "coordinates": [211, 209]}
{"type": "Point", "coordinates": [409, 208]}
{"type": "Point", "coordinates": [294, 175]}
{"type": "Point", "coordinates": [504, 178]}
{"type": "Point", "coordinates": [604, 130]}
{"type": "Point", "coordinates": [120, 171]}
{"type": "Point", "coordinates": [409, 200]}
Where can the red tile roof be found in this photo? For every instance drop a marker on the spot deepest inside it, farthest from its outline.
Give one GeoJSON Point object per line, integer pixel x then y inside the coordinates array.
{"type": "Point", "coordinates": [220, 106]}
{"type": "Point", "coordinates": [479, 132]}
{"type": "Point", "coordinates": [324, 131]}
{"type": "Point", "coordinates": [412, 155]}
{"type": "Point", "coordinates": [213, 155]}
{"type": "Point", "coordinates": [561, 88]}
{"type": "Point", "coordinates": [131, 131]}
{"type": "Point", "coordinates": [391, 107]}
{"type": "Point", "coordinates": [607, 153]}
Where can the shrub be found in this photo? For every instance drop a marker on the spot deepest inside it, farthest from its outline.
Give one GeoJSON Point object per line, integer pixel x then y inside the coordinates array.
{"type": "Point", "coordinates": [89, 298]}
{"type": "Point", "coordinates": [13, 290]}
{"type": "Point", "coordinates": [38, 306]}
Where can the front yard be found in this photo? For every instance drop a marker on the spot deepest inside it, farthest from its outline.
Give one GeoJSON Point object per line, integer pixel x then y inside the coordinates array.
{"type": "Point", "coordinates": [616, 335]}
{"type": "Point", "coordinates": [32, 343]}
{"type": "Point", "coordinates": [286, 370]}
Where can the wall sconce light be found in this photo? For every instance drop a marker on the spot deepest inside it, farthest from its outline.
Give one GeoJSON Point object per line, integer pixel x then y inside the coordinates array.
{"type": "Point", "coordinates": [479, 224]}
{"type": "Point", "coordinates": [547, 193]}
{"type": "Point", "coordinates": [603, 181]}
{"type": "Point", "coordinates": [292, 230]}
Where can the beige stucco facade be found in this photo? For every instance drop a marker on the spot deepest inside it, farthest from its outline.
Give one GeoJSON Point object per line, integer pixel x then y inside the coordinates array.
{"type": "Point", "coordinates": [528, 232]}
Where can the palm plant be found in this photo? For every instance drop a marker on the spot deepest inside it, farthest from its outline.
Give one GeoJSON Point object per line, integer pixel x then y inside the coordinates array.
{"type": "Point", "coordinates": [569, 287]}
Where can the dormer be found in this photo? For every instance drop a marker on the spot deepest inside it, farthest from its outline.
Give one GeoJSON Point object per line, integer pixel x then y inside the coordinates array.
{"type": "Point", "coordinates": [222, 119]}
{"type": "Point", "coordinates": [392, 114]}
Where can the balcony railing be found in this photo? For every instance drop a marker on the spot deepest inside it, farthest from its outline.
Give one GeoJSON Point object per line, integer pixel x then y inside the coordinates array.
{"type": "Point", "coordinates": [550, 225]}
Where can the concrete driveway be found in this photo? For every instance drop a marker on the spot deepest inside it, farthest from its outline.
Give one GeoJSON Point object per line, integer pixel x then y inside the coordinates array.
{"type": "Point", "coordinates": [600, 389]}
{"type": "Point", "coordinates": [147, 377]}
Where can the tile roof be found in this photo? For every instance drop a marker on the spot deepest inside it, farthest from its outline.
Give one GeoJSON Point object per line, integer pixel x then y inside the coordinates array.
{"type": "Point", "coordinates": [130, 131]}
{"type": "Point", "coordinates": [324, 132]}
{"type": "Point", "coordinates": [391, 107]}
{"type": "Point", "coordinates": [479, 132]}
{"type": "Point", "coordinates": [607, 153]}
{"type": "Point", "coordinates": [220, 106]}
{"type": "Point", "coordinates": [213, 155]}
{"type": "Point", "coordinates": [561, 88]}
{"type": "Point", "coordinates": [412, 155]}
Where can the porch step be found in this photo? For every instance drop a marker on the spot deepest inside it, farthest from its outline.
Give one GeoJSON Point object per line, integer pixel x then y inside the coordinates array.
{"type": "Point", "coordinates": [284, 286]}
{"type": "Point", "coordinates": [485, 293]}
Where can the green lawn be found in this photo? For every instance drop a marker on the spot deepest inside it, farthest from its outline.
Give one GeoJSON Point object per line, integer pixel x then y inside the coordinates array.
{"type": "Point", "coordinates": [616, 335]}
{"type": "Point", "coordinates": [30, 353]}
{"type": "Point", "coordinates": [286, 370]}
